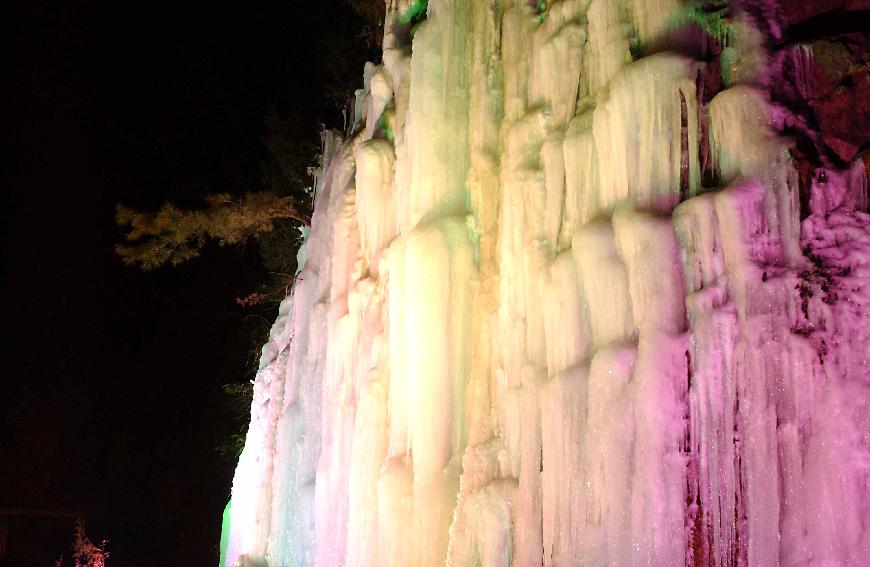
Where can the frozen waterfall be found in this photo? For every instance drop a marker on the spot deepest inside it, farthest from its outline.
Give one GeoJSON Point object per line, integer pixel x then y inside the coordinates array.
{"type": "Point", "coordinates": [562, 306]}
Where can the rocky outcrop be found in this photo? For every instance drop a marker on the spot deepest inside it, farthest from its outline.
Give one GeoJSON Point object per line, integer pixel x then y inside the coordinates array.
{"type": "Point", "coordinates": [831, 77]}
{"type": "Point", "coordinates": [798, 11]}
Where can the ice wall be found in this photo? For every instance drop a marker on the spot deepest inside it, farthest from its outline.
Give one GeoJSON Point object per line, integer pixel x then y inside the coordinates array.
{"type": "Point", "coordinates": [561, 307]}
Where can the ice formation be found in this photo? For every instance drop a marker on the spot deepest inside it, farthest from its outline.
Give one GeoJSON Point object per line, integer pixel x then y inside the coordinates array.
{"type": "Point", "coordinates": [528, 331]}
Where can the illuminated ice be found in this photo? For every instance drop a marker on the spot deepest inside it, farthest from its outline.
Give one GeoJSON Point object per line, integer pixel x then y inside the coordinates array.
{"type": "Point", "coordinates": [529, 331]}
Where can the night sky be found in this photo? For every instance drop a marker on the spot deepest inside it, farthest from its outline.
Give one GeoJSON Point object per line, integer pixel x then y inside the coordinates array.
{"type": "Point", "coordinates": [111, 403]}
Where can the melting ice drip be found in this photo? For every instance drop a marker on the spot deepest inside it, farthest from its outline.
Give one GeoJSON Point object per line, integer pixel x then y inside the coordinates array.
{"type": "Point", "coordinates": [529, 332]}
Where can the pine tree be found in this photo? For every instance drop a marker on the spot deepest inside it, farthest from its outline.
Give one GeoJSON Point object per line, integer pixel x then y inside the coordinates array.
{"type": "Point", "coordinates": [172, 235]}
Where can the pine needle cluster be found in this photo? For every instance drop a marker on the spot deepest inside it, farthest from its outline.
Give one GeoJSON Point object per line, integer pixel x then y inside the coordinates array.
{"type": "Point", "coordinates": [173, 235]}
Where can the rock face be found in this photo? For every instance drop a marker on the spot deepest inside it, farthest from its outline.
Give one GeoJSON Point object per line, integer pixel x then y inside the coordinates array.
{"type": "Point", "coordinates": [831, 77]}
{"type": "Point", "coordinates": [797, 11]}
{"type": "Point", "coordinates": [836, 76]}
{"type": "Point", "coordinates": [840, 98]}
{"type": "Point", "coordinates": [586, 284]}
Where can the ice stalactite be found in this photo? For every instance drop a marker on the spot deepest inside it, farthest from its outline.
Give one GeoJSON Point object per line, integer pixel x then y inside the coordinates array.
{"type": "Point", "coordinates": [560, 305]}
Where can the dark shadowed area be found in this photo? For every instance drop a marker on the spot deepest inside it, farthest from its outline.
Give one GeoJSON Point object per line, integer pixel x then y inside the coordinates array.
{"type": "Point", "coordinates": [111, 404]}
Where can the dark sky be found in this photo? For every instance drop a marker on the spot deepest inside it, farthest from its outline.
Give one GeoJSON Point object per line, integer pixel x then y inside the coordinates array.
{"type": "Point", "coordinates": [110, 401]}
